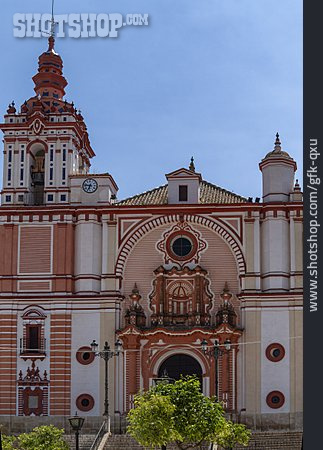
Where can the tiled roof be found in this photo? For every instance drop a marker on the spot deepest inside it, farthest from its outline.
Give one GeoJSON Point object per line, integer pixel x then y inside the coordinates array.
{"type": "Point", "coordinates": [209, 193]}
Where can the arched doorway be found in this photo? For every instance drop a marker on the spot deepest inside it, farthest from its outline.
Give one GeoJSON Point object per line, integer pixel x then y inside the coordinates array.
{"type": "Point", "coordinates": [180, 364]}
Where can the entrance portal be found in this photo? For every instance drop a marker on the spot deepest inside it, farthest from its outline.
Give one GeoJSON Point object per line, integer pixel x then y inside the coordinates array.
{"type": "Point", "coordinates": [180, 364]}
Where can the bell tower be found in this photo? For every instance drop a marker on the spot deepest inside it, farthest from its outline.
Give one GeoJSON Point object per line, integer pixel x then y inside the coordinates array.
{"type": "Point", "coordinates": [45, 141]}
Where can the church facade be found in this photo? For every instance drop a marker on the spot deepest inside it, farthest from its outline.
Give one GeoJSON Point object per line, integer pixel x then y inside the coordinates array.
{"type": "Point", "coordinates": [190, 277]}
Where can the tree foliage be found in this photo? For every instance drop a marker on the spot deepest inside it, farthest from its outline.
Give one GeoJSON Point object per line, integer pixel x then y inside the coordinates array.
{"type": "Point", "coordinates": [232, 434]}
{"type": "Point", "coordinates": [43, 438]}
{"type": "Point", "coordinates": [152, 420]}
{"type": "Point", "coordinates": [40, 438]}
{"type": "Point", "coordinates": [179, 412]}
{"type": "Point", "coordinates": [8, 442]}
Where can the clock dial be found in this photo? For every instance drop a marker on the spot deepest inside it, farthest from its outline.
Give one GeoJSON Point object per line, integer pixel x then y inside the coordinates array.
{"type": "Point", "coordinates": [90, 185]}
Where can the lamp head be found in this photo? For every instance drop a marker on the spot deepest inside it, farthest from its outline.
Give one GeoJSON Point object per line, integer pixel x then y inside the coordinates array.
{"type": "Point", "coordinates": [227, 344]}
{"type": "Point", "coordinates": [76, 422]}
{"type": "Point", "coordinates": [94, 346]}
{"type": "Point", "coordinates": [204, 345]}
{"type": "Point", "coordinates": [118, 346]}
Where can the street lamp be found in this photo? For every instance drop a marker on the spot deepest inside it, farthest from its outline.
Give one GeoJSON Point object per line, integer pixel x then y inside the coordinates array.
{"type": "Point", "coordinates": [106, 354]}
{"type": "Point", "coordinates": [216, 353]}
{"type": "Point", "coordinates": [76, 423]}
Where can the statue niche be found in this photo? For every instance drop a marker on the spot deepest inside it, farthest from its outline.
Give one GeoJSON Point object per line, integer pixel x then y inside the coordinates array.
{"type": "Point", "coordinates": [180, 297]}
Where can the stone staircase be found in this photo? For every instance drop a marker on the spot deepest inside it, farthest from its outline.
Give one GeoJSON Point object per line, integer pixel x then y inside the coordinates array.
{"type": "Point", "coordinates": [85, 441]}
{"type": "Point", "coordinates": [124, 441]}
{"type": "Point", "coordinates": [259, 441]}
{"type": "Point", "coordinates": [287, 440]}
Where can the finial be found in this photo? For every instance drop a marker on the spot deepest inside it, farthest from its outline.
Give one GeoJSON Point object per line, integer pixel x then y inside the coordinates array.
{"type": "Point", "coordinates": [297, 187]}
{"type": "Point", "coordinates": [226, 294]}
{"type": "Point", "coordinates": [51, 43]}
{"type": "Point", "coordinates": [135, 289]}
{"type": "Point", "coordinates": [192, 166]}
{"type": "Point", "coordinates": [11, 108]}
{"type": "Point", "coordinates": [277, 147]}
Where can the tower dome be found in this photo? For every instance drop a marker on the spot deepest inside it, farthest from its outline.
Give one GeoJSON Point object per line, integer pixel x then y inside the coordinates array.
{"type": "Point", "coordinates": [49, 81]}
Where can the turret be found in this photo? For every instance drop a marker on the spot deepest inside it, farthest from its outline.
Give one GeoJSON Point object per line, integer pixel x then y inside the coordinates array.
{"type": "Point", "coordinates": [277, 174]}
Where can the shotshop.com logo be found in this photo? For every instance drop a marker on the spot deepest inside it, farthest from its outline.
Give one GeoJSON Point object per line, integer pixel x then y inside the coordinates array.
{"type": "Point", "coordinates": [75, 25]}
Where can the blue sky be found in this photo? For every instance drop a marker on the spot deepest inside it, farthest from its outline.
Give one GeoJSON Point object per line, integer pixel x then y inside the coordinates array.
{"type": "Point", "coordinates": [215, 79]}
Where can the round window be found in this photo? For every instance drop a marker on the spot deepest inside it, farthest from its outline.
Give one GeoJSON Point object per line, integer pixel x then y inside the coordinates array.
{"type": "Point", "coordinates": [182, 246]}
{"type": "Point", "coordinates": [85, 356]}
{"type": "Point", "coordinates": [275, 399]}
{"type": "Point", "coordinates": [275, 352]}
{"type": "Point", "coordinates": [85, 402]}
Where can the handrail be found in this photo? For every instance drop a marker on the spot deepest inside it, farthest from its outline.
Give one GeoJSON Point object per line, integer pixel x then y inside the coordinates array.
{"type": "Point", "coordinates": [99, 436]}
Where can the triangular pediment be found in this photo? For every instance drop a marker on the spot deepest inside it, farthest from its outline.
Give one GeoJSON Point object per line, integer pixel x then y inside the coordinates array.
{"type": "Point", "coordinates": [183, 173]}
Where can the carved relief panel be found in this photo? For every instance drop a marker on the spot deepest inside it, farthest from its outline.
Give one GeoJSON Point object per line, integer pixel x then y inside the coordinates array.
{"type": "Point", "coordinates": [181, 297]}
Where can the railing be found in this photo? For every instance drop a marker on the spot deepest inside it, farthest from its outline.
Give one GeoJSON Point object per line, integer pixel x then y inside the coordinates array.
{"type": "Point", "coordinates": [24, 347]}
{"type": "Point", "coordinates": [99, 436]}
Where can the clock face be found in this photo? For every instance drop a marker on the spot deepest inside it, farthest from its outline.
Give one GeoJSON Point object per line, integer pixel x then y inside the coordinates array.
{"type": "Point", "coordinates": [90, 185]}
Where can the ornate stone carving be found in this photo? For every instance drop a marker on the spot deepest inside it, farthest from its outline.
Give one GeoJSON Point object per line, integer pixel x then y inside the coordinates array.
{"type": "Point", "coordinates": [226, 312]}
{"type": "Point", "coordinates": [181, 230]}
{"type": "Point", "coordinates": [135, 314]}
{"type": "Point", "coordinates": [181, 297]}
{"type": "Point", "coordinates": [32, 392]}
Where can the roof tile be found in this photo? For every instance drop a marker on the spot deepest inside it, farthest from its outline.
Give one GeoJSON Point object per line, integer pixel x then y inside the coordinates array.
{"type": "Point", "coordinates": [209, 193]}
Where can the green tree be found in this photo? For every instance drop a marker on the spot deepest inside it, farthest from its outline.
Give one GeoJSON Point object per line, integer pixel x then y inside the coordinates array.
{"type": "Point", "coordinates": [152, 420]}
{"type": "Point", "coordinates": [43, 438]}
{"type": "Point", "coordinates": [9, 442]}
{"type": "Point", "coordinates": [233, 434]}
{"type": "Point", "coordinates": [186, 417]}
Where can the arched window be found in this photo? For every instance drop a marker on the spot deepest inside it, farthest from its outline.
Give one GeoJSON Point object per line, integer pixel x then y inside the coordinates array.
{"type": "Point", "coordinates": [33, 342]}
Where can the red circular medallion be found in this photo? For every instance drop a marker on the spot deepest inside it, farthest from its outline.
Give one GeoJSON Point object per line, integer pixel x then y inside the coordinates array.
{"type": "Point", "coordinates": [85, 402]}
{"type": "Point", "coordinates": [181, 245]}
{"type": "Point", "coordinates": [275, 399]}
{"type": "Point", "coordinates": [84, 355]}
{"type": "Point", "coordinates": [275, 352]}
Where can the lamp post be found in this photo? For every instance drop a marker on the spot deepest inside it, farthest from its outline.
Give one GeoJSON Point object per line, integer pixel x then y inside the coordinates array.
{"type": "Point", "coordinates": [164, 378]}
{"type": "Point", "coordinates": [216, 353]}
{"type": "Point", "coordinates": [76, 423]}
{"type": "Point", "coordinates": [106, 353]}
